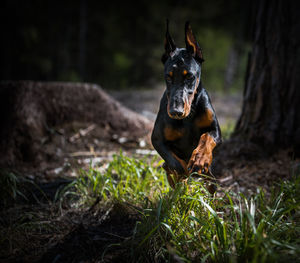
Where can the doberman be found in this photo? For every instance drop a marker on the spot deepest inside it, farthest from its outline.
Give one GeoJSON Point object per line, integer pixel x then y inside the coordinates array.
{"type": "Point", "coordinates": [186, 129]}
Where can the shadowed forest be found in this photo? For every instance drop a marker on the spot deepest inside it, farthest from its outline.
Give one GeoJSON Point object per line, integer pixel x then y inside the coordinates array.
{"type": "Point", "coordinates": [116, 44]}
{"type": "Point", "coordinates": [80, 90]}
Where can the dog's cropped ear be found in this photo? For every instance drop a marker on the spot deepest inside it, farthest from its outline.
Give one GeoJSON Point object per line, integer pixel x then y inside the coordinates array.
{"type": "Point", "coordinates": [192, 45]}
{"type": "Point", "coordinates": [169, 45]}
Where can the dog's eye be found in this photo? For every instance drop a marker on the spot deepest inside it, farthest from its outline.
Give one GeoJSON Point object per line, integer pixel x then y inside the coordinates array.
{"type": "Point", "coordinates": [189, 76]}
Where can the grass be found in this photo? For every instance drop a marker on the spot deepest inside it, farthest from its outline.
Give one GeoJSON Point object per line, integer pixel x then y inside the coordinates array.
{"type": "Point", "coordinates": [190, 225]}
{"type": "Point", "coordinates": [10, 185]}
{"type": "Point", "coordinates": [125, 180]}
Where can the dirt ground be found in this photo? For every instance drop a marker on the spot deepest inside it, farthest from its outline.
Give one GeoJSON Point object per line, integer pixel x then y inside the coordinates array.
{"type": "Point", "coordinates": [50, 233]}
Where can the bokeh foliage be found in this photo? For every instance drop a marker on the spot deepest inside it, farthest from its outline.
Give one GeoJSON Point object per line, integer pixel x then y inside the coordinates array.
{"type": "Point", "coordinates": [116, 44]}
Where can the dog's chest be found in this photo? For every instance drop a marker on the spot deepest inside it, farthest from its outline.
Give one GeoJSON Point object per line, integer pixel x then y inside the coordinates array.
{"type": "Point", "coordinates": [181, 136]}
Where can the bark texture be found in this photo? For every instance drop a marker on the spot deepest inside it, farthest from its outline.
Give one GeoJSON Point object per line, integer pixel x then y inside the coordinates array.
{"type": "Point", "coordinates": [271, 107]}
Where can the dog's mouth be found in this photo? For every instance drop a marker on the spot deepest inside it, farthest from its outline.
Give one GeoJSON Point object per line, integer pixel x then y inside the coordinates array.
{"type": "Point", "coordinates": [176, 116]}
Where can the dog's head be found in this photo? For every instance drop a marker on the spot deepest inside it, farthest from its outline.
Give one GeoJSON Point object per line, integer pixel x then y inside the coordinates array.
{"type": "Point", "coordinates": [182, 73]}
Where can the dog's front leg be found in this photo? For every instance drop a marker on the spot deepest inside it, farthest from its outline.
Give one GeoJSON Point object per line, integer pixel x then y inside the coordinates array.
{"type": "Point", "coordinates": [173, 164]}
{"type": "Point", "coordinates": [201, 157]}
{"type": "Point", "coordinates": [178, 175]}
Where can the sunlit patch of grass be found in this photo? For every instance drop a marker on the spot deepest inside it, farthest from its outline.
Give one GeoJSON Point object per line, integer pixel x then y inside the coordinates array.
{"type": "Point", "coordinates": [125, 180]}
{"type": "Point", "coordinates": [195, 227]}
{"type": "Point", "coordinates": [190, 225]}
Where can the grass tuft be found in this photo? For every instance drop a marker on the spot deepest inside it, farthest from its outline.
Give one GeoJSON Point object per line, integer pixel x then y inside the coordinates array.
{"type": "Point", "coordinates": [136, 181]}
{"type": "Point", "coordinates": [10, 186]}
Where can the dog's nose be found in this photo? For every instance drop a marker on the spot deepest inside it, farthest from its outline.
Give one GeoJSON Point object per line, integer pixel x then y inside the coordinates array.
{"type": "Point", "coordinates": [177, 112]}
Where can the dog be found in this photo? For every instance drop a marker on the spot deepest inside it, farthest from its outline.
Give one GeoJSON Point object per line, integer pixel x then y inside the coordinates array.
{"type": "Point", "coordinates": [186, 130]}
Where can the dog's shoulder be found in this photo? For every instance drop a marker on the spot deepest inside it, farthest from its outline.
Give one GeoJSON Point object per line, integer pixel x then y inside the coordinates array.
{"type": "Point", "coordinates": [201, 101]}
{"type": "Point", "coordinates": [204, 114]}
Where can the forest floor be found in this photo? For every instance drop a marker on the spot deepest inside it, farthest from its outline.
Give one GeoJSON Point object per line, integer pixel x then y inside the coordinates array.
{"type": "Point", "coordinates": [36, 229]}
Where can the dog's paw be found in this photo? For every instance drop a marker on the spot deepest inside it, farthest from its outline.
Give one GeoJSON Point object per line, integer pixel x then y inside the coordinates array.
{"type": "Point", "coordinates": [200, 161]}
{"type": "Point", "coordinates": [174, 174]}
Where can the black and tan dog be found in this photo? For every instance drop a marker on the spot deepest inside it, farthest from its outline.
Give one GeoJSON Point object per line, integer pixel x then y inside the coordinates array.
{"type": "Point", "coordinates": [186, 129]}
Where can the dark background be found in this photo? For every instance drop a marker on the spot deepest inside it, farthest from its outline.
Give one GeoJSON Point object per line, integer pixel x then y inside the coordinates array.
{"type": "Point", "coordinates": [119, 44]}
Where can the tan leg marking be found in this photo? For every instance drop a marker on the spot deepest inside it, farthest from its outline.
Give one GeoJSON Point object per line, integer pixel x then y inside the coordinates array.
{"type": "Point", "coordinates": [202, 156]}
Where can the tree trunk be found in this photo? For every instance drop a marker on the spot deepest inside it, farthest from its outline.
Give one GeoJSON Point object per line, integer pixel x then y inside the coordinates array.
{"type": "Point", "coordinates": [271, 112]}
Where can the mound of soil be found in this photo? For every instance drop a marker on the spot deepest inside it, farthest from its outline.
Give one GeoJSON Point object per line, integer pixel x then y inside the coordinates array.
{"type": "Point", "coordinates": [41, 121]}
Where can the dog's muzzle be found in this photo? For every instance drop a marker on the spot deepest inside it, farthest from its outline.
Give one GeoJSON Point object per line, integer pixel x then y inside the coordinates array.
{"type": "Point", "coordinates": [177, 107]}
{"type": "Point", "coordinates": [176, 113]}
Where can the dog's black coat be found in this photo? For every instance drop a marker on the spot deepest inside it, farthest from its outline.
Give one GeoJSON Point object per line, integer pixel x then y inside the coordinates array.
{"type": "Point", "coordinates": [186, 129]}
